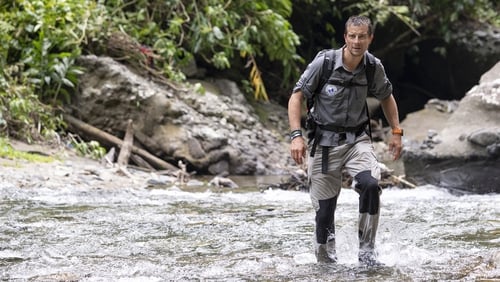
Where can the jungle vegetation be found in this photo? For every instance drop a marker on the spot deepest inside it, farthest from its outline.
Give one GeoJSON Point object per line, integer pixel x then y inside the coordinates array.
{"type": "Point", "coordinates": [40, 41]}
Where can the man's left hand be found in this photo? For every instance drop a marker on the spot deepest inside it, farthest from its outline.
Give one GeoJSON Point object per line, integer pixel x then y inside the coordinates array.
{"type": "Point", "coordinates": [395, 146]}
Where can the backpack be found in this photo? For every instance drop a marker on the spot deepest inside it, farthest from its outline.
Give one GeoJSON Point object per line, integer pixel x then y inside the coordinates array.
{"type": "Point", "coordinates": [327, 69]}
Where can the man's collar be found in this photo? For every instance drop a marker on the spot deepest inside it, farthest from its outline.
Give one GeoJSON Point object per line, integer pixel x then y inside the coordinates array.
{"type": "Point", "coordinates": [338, 58]}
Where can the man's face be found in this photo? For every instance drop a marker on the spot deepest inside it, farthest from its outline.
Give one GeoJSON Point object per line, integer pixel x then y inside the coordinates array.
{"type": "Point", "coordinates": [357, 39]}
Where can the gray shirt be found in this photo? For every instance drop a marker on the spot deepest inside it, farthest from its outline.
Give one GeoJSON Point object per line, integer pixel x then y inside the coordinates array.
{"type": "Point", "coordinates": [338, 105]}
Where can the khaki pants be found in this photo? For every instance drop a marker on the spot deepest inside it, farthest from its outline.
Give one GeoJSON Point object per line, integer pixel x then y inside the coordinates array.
{"type": "Point", "coordinates": [357, 159]}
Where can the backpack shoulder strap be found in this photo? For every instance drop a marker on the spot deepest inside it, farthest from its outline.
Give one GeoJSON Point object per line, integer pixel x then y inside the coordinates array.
{"type": "Point", "coordinates": [328, 63]}
{"type": "Point", "coordinates": [370, 73]}
{"type": "Point", "coordinates": [326, 72]}
{"type": "Point", "coordinates": [370, 70]}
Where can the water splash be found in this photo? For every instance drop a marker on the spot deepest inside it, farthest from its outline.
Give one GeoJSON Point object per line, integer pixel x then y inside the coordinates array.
{"type": "Point", "coordinates": [134, 234]}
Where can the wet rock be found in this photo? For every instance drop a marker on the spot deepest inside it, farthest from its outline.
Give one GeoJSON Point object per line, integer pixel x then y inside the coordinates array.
{"type": "Point", "coordinates": [161, 180]}
{"type": "Point", "coordinates": [484, 137]}
{"type": "Point", "coordinates": [493, 150]}
{"type": "Point", "coordinates": [223, 182]}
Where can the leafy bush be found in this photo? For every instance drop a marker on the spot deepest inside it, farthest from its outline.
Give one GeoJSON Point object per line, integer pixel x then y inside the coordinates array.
{"type": "Point", "coordinates": [39, 42]}
{"type": "Point", "coordinates": [218, 32]}
{"type": "Point", "coordinates": [22, 115]}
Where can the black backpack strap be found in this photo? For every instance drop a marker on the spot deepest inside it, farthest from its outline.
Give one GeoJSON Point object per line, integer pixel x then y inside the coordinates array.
{"type": "Point", "coordinates": [370, 73]}
{"type": "Point", "coordinates": [370, 70]}
{"type": "Point", "coordinates": [326, 72]}
{"type": "Point", "coordinates": [328, 64]}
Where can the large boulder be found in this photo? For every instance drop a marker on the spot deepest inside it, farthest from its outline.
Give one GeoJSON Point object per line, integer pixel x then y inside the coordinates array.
{"type": "Point", "coordinates": [213, 132]}
{"type": "Point", "coordinates": [463, 152]}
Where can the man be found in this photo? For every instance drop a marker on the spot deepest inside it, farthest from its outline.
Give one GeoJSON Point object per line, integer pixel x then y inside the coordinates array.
{"type": "Point", "coordinates": [340, 139]}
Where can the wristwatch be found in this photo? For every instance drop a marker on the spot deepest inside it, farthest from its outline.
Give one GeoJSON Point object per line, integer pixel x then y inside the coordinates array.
{"type": "Point", "coordinates": [398, 131]}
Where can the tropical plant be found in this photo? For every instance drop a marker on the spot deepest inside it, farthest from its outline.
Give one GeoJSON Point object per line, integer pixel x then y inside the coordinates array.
{"type": "Point", "coordinates": [39, 42]}
{"type": "Point", "coordinates": [22, 115]}
{"type": "Point", "coordinates": [45, 38]}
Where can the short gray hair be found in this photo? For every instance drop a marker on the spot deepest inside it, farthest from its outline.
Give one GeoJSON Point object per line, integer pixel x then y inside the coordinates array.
{"type": "Point", "coordinates": [359, 20]}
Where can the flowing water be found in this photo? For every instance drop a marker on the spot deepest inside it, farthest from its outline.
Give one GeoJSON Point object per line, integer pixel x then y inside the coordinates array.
{"type": "Point", "coordinates": [200, 234]}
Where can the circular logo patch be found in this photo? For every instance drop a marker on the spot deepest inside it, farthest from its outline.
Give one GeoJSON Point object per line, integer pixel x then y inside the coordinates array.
{"type": "Point", "coordinates": [330, 90]}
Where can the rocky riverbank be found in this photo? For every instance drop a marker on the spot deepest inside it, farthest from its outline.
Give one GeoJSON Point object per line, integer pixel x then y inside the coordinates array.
{"type": "Point", "coordinates": [65, 169]}
{"type": "Point", "coordinates": [68, 169]}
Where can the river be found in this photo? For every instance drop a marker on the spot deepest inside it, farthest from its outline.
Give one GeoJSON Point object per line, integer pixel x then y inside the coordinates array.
{"type": "Point", "coordinates": [245, 234]}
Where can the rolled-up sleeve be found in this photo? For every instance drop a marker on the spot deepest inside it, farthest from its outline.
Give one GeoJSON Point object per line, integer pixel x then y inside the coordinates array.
{"type": "Point", "coordinates": [382, 87]}
{"type": "Point", "coordinates": [310, 78]}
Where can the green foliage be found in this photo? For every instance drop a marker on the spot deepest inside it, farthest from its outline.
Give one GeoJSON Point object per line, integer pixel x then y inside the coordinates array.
{"type": "Point", "coordinates": [23, 116]}
{"type": "Point", "coordinates": [43, 39]}
{"type": "Point", "coordinates": [39, 42]}
{"type": "Point", "coordinates": [218, 32]}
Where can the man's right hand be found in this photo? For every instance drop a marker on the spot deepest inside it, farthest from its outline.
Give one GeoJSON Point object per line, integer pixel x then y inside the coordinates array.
{"type": "Point", "coordinates": [298, 149]}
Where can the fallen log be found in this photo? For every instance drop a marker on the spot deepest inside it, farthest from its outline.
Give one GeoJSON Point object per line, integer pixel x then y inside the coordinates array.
{"type": "Point", "coordinates": [147, 142]}
{"type": "Point", "coordinates": [108, 138]}
{"type": "Point", "coordinates": [138, 160]}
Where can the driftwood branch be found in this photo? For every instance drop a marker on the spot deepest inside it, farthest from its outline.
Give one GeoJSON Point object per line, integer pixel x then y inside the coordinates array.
{"type": "Point", "coordinates": [400, 179]}
{"type": "Point", "coordinates": [106, 137]}
{"type": "Point", "coordinates": [125, 150]}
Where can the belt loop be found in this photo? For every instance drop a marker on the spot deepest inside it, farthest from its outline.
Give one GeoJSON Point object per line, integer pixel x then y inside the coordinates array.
{"type": "Point", "coordinates": [336, 139]}
{"type": "Point", "coordinates": [324, 160]}
{"type": "Point", "coordinates": [350, 137]}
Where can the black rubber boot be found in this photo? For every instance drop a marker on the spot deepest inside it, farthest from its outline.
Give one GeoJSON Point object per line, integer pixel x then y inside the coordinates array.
{"type": "Point", "coordinates": [325, 231]}
{"type": "Point", "coordinates": [326, 252]}
{"type": "Point", "coordinates": [369, 207]}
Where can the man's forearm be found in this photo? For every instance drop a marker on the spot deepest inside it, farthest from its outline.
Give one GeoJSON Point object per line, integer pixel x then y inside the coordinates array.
{"type": "Point", "coordinates": [390, 109]}
{"type": "Point", "coordinates": [294, 110]}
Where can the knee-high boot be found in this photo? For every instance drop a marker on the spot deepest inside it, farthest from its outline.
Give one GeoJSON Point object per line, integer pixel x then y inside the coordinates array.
{"type": "Point", "coordinates": [369, 211]}
{"type": "Point", "coordinates": [326, 252]}
{"type": "Point", "coordinates": [325, 231]}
